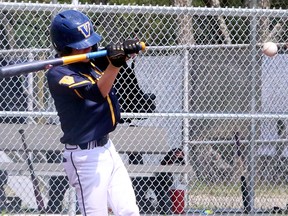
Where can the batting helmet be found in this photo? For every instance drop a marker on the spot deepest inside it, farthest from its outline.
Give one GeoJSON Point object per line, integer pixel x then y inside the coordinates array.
{"type": "Point", "coordinates": [72, 29]}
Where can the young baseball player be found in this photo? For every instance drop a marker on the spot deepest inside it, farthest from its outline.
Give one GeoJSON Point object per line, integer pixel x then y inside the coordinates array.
{"type": "Point", "coordinates": [88, 110]}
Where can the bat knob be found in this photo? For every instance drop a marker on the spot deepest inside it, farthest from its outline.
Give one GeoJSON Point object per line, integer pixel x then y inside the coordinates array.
{"type": "Point", "coordinates": [142, 45]}
{"type": "Point", "coordinates": [21, 131]}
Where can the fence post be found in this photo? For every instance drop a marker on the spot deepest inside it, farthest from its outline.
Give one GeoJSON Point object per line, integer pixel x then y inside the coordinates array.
{"type": "Point", "coordinates": [252, 134]}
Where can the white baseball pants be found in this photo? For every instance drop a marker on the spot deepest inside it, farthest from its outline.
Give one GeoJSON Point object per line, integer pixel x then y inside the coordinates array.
{"type": "Point", "coordinates": [100, 177]}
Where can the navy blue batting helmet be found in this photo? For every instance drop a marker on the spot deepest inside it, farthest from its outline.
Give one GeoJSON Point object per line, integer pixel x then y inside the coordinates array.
{"type": "Point", "coordinates": [72, 29]}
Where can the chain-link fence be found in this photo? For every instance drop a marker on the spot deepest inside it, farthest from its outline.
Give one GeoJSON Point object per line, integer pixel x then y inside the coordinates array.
{"type": "Point", "coordinates": [278, 4]}
{"type": "Point", "coordinates": [206, 91]}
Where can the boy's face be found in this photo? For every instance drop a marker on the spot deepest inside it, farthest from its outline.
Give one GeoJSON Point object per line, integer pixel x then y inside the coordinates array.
{"type": "Point", "coordinates": [82, 51]}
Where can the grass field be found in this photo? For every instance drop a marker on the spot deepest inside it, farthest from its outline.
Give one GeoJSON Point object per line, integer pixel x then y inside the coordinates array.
{"type": "Point", "coordinates": [229, 196]}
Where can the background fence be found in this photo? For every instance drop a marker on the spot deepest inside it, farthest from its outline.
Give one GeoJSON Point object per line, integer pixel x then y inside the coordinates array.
{"type": "Point", "coordinates": [217, 97]}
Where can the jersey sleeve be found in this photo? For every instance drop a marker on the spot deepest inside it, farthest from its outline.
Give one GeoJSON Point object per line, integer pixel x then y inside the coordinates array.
{"type": "Point", "coordinates": [73, 80]}
{"type": "Point", "coordinates": [80, 85]}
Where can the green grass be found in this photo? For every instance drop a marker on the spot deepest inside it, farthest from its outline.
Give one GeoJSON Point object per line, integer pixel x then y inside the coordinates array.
{"type": "Point", "coordinates": [218, 189]}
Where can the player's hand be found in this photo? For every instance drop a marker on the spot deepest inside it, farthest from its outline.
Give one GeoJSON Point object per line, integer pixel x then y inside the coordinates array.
{"type": "Point", "coordinates": [116, 54]}
{"type": "Point", "coordinates": [131, 46]}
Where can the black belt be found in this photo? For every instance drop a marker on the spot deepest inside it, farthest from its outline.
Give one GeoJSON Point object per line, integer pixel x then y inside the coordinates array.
{"type": "Point", "coordinates": [92, 144]}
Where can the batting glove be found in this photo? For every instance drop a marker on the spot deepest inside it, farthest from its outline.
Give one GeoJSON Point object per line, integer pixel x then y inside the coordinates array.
{"type": "Point", "coordinates": [116, 54]}
{"type": "Point", "coordinates": [131, 46]}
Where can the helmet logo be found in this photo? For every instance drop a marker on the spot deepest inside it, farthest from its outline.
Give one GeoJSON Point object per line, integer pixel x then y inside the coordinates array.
{"type": "Point", "coordinates": [85, 29]}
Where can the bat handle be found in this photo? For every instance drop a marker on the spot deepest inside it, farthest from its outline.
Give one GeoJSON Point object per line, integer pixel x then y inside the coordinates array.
{"type": "Point", "coordinates": [21, 131]}
{"type": "Point", "coordinates": [140, 47]}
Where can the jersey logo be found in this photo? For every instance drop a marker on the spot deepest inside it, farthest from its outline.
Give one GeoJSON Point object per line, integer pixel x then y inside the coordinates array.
{"type": "Point", "coordinates": [85, 29]}
{"type": "Point", "coordinates": [67, 80]}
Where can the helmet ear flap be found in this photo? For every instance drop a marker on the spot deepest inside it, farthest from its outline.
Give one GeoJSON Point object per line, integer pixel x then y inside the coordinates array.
{"type": "Point", "coordinates": [95, 47]}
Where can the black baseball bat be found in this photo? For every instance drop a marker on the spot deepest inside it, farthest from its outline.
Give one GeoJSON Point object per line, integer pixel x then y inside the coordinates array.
{"type": "Point", "coordinates": [27, 67]}
{"type": "Point", "coordinates": [35, 183]}
{"type": "Point", "coordinates": [244, 187]}
{"type": "Point", "coordinates": [245, 195]}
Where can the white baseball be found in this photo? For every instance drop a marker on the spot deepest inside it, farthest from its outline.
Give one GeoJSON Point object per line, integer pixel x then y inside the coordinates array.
{"type": "Point", "coordinates": [270, 49]}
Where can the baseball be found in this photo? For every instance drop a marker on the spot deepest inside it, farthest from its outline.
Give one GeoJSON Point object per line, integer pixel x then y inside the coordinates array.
{"type": "Point", "coordinates": [270, 49]}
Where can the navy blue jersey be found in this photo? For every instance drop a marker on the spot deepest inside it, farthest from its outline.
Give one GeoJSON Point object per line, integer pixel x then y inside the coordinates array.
{"type": "Point", "coordinates": [84, 114]}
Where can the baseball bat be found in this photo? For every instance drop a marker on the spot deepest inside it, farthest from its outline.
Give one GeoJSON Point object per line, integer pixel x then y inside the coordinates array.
{"type": "Point", "coordinates": [28, 67]}
{"type": "Point", "coordinates": [246, 198]}
{"type": "Point", "coordinates": [35, 183]}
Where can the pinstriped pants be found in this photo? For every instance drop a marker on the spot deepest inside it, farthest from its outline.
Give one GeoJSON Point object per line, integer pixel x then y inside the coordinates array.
{"type": "Point", "coordinates": [100, 179]}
